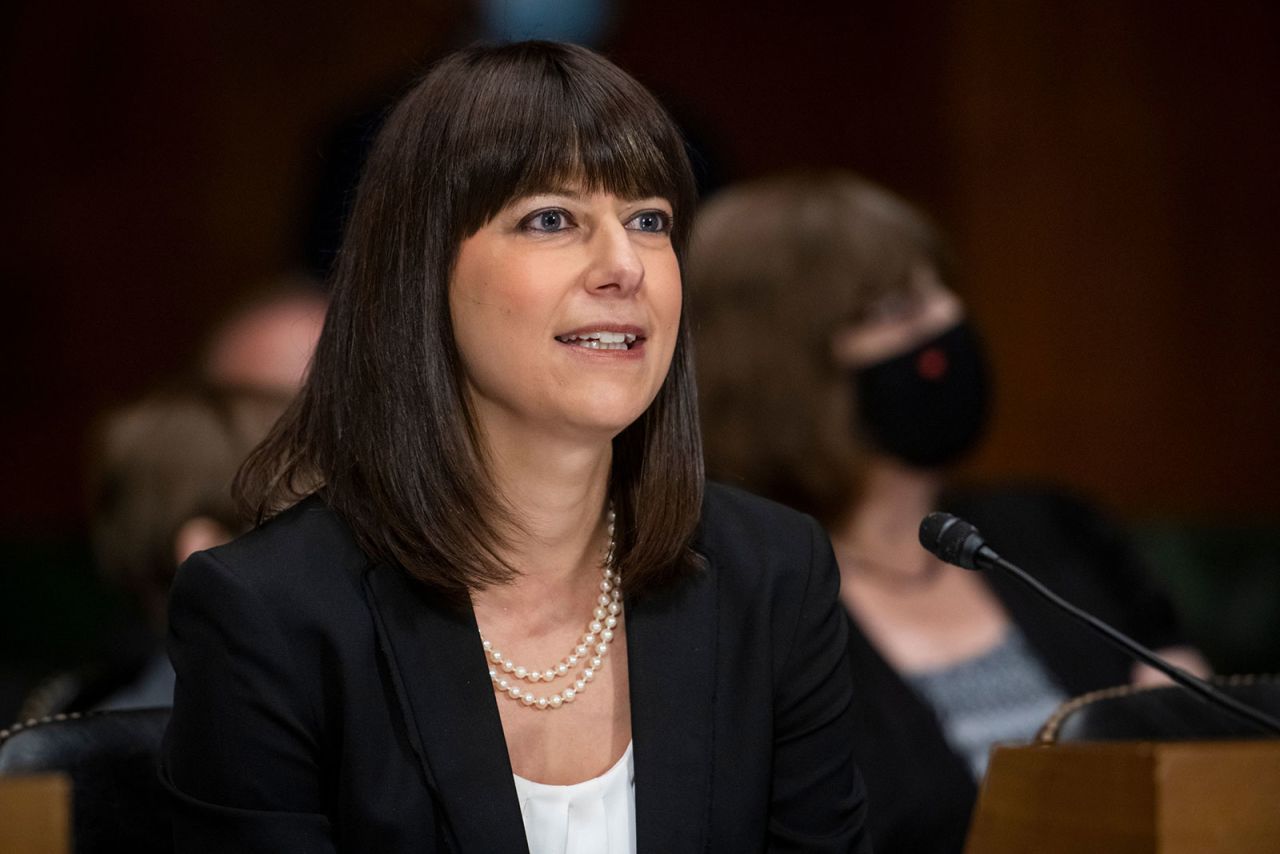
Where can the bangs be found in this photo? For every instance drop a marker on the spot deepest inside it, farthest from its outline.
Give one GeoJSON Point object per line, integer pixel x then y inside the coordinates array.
{"type": "Point", "coordinates": [542, 118]}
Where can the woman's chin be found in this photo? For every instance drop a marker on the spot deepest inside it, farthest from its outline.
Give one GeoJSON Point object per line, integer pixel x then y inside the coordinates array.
{"type": "Point", "coordinates": [600, 422]}
{"type": "Point", "coordinates": [604, 428]}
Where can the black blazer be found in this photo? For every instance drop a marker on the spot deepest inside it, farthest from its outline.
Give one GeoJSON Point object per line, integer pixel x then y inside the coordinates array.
{"type": "Point", "coordinates": [326, 702]}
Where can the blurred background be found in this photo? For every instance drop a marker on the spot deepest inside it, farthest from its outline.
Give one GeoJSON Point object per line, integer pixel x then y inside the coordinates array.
{"type": "Point", "coordinates": [1107, 171]}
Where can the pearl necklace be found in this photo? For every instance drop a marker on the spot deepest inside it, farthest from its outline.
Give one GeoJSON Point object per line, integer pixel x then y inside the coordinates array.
{"type": "Point", "coordinates": [592, 649]}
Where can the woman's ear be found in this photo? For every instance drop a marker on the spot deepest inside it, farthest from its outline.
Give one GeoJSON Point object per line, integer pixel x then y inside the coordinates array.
{"type": "Point", "coordinates": [197, 534]}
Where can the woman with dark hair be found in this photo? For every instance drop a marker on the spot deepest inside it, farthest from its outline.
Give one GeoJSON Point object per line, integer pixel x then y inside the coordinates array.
{"type": "Point", "coordinates": [492, 605]}
{"type": "Point", "coordinates": [840, 375]}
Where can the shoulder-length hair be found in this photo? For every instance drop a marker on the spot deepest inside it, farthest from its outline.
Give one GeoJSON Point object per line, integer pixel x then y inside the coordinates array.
{"type": "Point", "coordinates": [776, 267]}
{"type": "Point", "coordinates": [383, 427]}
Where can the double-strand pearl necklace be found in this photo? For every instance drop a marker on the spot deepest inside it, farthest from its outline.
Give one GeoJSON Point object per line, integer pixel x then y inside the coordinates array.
{"type": "Point", "coordinates": [590, 651]}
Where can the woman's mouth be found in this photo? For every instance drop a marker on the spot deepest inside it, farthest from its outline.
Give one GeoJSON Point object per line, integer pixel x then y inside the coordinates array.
{"type": "Point", "coordinates": [600, 340]}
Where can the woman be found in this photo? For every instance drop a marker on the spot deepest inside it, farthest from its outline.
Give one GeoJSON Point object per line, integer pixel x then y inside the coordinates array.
{"type": "Point", "coordinates": [840, 375]}
{"type": "Point", "coordinates": [501, 610]}
{"type": "Point", "coordinates": [159, 489]}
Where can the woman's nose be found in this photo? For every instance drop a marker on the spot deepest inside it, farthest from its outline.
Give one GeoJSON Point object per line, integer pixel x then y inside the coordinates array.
{"type": "Point", "coordinates": [616, 266]}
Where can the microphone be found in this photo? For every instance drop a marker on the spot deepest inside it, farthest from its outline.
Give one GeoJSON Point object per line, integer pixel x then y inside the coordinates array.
{"type": "Point", "coordinates": [955, 541]}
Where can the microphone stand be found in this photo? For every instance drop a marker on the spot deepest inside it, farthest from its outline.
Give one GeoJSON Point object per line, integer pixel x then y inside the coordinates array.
{"type": "Point", "coordinates": [986, 557]}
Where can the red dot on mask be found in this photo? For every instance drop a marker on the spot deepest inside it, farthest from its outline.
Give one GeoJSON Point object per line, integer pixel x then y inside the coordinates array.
{"type": "Point", "coordinates": [932, 364]}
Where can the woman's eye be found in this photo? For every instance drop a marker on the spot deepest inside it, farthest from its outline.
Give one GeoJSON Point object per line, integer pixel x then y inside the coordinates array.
{"type": "Point", "coordinates": [657, 222]}
{"type": "Point", "coordinates": [894, 307]}
{"type": "Point", "coordinates": [548, 220]}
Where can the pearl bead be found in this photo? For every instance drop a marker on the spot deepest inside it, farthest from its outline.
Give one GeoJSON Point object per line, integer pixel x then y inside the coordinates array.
{"type": "Point", "coordinates": [600, 613]}
{"type": "Point", "coordinates": [571, 661]}
{"type": "Point", "coordinates": [542, 702]}
{"type": "Point", "coordinates": [562, 668]}
{"type": "Point", "coordinates": [486, 644]}
{"type": "Point", "coordinates": [535, 675]}
{"type": "Point", "coordinates": [604, 599]}
{"type": "Point", "coordinates": [580, 685]}
{"type": "Point", "coordinates": [580, 649]}
{"type": "Point", "coordinates": [614, 608]}
{"type": "Point", "coordinates": [610, 622]}
{"type": "Point", "coordinates": [588, 675]}
{"type": "Point", "coordinates": [507, 666]}
{"type": "Point", "coordinates": [596, 662]}
{"type": "Point", "coordinates": [527, 699]}
{"type": "Point", "coordinates": [495, 655]}
{"type": "Point", "coordinates": [595, 626]}
{"type": "Point", "coordinates": [606, 635]}
{"type": "Point", "coordinates": [503, 685]}
{"type": "Point", "coordinates": [589, 640]}
{"type": "Point", "coordinates": [493, 674]}
{"type": "Point", "coordinates": [606, 586]}
{"type": "Point", "coordinates": [602, 648]}
{"type": "Point", "coordinates": [556, 701]}
{"type": "Point", "coordinates": [521, 672]}
{"type": "Point", "coordinates": [514, 691]}
{"type": "Point", "coordinates": [569, 694]}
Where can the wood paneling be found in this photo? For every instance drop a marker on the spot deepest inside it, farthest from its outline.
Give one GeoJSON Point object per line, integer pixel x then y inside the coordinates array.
{"type": "Point", "coordinates": [1108, 172]}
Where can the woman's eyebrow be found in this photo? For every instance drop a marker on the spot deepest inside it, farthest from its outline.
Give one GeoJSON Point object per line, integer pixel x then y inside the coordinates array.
{"type": "Point", "coordinates": [575, 193]}
{"type": "Point", "coordinates": [578, 194]}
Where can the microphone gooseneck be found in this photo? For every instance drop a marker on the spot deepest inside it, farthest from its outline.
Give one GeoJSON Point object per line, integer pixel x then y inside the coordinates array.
{"type": "Point", "coordinates": [955, 541]}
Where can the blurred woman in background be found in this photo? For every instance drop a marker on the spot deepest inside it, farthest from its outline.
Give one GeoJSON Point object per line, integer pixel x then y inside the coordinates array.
{"type": "Point", "coordinates": [160, 489]}
{"type": "Point", "coordinates": [840, 374]}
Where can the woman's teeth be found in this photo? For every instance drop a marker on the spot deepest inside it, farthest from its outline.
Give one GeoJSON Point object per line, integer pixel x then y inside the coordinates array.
{"type": "Point", "coordinates": [600, 340]}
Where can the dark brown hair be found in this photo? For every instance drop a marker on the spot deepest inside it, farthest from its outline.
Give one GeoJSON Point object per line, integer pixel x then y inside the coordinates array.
{"type": "Point", "coordinates": [382, 426]}
{"type": "Point", "coordinates": [776, 267]}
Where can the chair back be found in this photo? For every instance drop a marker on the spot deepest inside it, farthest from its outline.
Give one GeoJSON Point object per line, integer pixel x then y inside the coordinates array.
{"type": "Point", "coordinates": [1160, 713]}
{"type": "Point", "coordinates": [111, 757]}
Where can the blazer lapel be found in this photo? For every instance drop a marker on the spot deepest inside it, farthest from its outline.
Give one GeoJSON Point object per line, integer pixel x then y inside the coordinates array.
{"type": "Point", "coordinates": [671, 654]}
{"type": "Point", "coordinates": [451, 715]}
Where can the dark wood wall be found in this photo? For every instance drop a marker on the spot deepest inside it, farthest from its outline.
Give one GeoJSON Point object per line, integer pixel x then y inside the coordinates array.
{"type": "Point", "coordinates": [1115, 194]}
{"type": "Point", "coordinates": [1108, 172]}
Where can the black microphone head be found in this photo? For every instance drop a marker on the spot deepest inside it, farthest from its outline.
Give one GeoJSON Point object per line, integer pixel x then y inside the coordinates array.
{"type": "Point", "coordinates": [951, 539]}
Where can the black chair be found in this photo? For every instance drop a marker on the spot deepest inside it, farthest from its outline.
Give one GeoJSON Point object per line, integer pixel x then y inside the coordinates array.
{"type": "Point", "coordinates": [118, 804]}
{"type": "Point", "coordinates": [1160, 713]}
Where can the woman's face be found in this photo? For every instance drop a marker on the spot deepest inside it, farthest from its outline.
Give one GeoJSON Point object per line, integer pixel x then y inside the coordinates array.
{"type": "Point", "coordinates": [899, 323]}
{"type": "Point", "coordinates": [565, 309]}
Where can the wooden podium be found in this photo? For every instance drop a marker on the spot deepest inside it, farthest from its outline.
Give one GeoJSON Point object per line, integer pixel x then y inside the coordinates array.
{"type": "Point", "coordinates": [1130, 797]}
{"type": "Point", "coordinates": [35, 814]}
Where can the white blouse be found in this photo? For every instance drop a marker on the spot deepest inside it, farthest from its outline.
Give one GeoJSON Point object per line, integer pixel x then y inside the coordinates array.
{"type": "Point", "coordinates": [596, 816]}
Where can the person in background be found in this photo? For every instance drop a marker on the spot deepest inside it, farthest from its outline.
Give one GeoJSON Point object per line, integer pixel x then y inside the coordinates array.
{"type": "Point", "coordinates": [266, 341]}
{"type": "Point", "coordinates": [159, 489]}
{"type": "Point", "coordinates": [155, 462]}
{"type": "Point", "coordinates": [840, 374]}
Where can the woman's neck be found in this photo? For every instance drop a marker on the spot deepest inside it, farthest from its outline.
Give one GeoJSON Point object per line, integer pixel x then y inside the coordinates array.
{"type": "Point", "coordinates": [556, 494]}
{"type": "Point", "coordinates": [884, 525]}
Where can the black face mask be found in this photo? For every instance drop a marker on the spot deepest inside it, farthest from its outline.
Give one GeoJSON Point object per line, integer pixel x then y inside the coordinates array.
{"type": "Point", "coordinates": [928, 406]}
